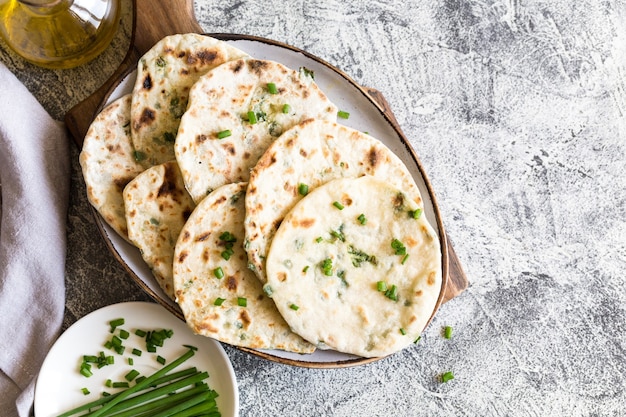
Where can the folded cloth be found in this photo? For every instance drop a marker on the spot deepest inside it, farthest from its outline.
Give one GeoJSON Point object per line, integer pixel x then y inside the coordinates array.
{"type": "Point", "coordinates": [34, 181]}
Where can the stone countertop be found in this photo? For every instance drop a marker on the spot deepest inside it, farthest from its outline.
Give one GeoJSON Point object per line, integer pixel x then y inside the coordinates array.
{"type": "Point", "coordinates": [517, 111]}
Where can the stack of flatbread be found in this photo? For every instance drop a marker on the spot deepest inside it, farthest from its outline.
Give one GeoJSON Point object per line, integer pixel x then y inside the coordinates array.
{"type": "Point", "coordinates": [269, 223]}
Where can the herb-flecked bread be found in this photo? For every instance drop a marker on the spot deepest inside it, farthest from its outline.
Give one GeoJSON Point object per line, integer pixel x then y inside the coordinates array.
{"type": "Point", "coordinates": [108, 163]}
{"type": "Point", "coordinates": [355, 267]}
{"type": "Point", "coordinates": [164, 76]}
{"type": "Point", "coordinates": [307, 156]}
{"type": "Point", "coordinates": [235, 112]}
{"type": "Point", "coordinates": [219, 296]}
{"type": "Point", "coordinates": [157, 206]}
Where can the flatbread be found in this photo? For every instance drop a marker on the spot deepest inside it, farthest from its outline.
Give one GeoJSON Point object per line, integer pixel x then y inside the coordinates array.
{"type": "Point", "coordinates": [325, 263]}
{"type": "Point", "coordinates": [198, 254]}
{"type": "Point", "coordinates": [164, 76]}
{"type": "Point", "coordinates": [157, 206]}
{"type": "Point", "coordinates": [220, 102]}
{"type": "Point", "coordinates": [108, 163]}
{"type": "Point", "coordinates": [312, 153]}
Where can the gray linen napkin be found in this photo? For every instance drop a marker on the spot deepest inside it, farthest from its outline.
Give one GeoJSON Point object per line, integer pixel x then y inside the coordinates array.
{"type": "Point", "coordinates": [34, 178]}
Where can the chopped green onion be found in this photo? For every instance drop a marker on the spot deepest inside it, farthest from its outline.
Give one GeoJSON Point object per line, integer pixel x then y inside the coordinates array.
{"type": "Point", "coordinates": [306, 268]}
{"type": "Point", "coordinates": [218, 272]}
{"type": "Point", "coordinates": [271, 87]}
{"type": "Point", "coordinates": [120, 384]}
{"type": "Point", "coordinates": [86, 371]}
{"type": "Point", "coordinates": [242, 301]}
{"type": "Point", "coordinates": [90, 359]}
{"type": "Point", "coordinates": [218, 301]}
{"type": "Point", "coordinates": [160, 359]}
{"type": "Point", "coordinates": [136, 352]}
{"type": "Point", "coordinates": [402, 331]}
{"type": "Point", "coordinates": [286, 108]}
{"type": "Point", "coordinates": [267, 289]}
{"type": "Point", "coordinates": [343, 114]}
{"type": "Point", "coordinates": [252, 118]}
{"type": "Point", "coordinates": [124, 334]}
{"type": "Point", "coordinates": [338, 235]}
{"type": "Point", "coordinates": [319, 239]}
{"type": "Point", "coordinates": [398, 247]}
{"type": "Point", "coordinates": [224, 134]}
{"type": "Point", "coordinates": [227, 254]}
{"type": "Point", "coordinates": [392, 293]}
{"type": "Point", "coordinates": [381, 286]}
{"type": "Point", "coordinates": [140, 333]}
{"type": "Point", "coordinates": [447, 376]}
{"type": "Point", "coordinates": [131, 362]}
{"type": "Point", "coordinates": [303, 189]}
{"type": "Point", "coordinates": [85, 391]}
{"type": "Point", "coordinates": [338, 205]}
{"type": "Point", "coordinates": [418, 339]}
{"type": "Point", "coordinates": [108, 383]}
{"type": "Point", "coordinates": [294, 307]}
{"type": "Point", "coordinates": [116, 323]}
{"type": "Point", "coordinates": [226, 236]}
{"type": "Point", "coordinates": [415, 213]}
{"type": "Point", "coordinates": [447, 332]}
{"type": "Point", "coordinates": [406, 256]}
{"type": "Point", "coordinates": [131, 375]}
{"type": "Point", "coordinates": [116, 341]}
{"type": "Point", "coordinates": [362, 219]}
{"type": "Point", "coordinates": [327, 267]}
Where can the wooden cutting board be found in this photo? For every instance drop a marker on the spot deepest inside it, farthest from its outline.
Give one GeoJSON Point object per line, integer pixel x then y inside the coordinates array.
{"type": "Point", "coordinates": [177, 16]}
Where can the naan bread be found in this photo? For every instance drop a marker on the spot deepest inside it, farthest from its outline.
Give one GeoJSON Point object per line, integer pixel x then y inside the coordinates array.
{"type": "Point", "coordinates": [108, 163]}
{"type": "Point", "coordinates": [157, 206]}
{"type": "Point", "coordinates": [164, 76]}
{"type": "Point", "coordinates": [199, 252]}
{"type": "Point", "coordinates": [311, 153]}
{"type": "Point", "coordinates": [329, 255]}
{"type": "Point", "coordinates": [220, 102]}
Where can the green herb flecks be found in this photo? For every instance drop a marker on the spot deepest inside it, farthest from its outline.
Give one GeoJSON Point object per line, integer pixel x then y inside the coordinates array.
{"type": "Point", "coordinates": [227, 240]}
{"type": "Point", "coordinates": [358, 257]}
{"type": "Point", "coordinates": [177, 108]}
{"type": "Point", "coordinates": [415, 214]}
{"type": "Point", "coordinates": [338, 234]}
{"type": "Point", "coordinates": [306, 73]}
{"type": "Point", "coordinates": [224, 134]}
{"type": "Point", "coordinates": [275, 129]}
{"type": "Point", "coordinates": [139, 156]}
{"type": "Point", "coordinates": [398, 247]}
{"type": "Point", "coordinates": [169, 137]}
{"type": "Point", "coordinates": [327, 267]}
{"type": "Point", "coordinates": [252, 119]}
{"type": "Point", "coordinates": [447, 376]}
{"type": "Point", "coordinates": [271, 88]}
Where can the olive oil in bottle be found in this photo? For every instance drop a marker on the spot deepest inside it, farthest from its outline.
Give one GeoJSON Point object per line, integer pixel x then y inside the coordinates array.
{"type": "Point", "coordinates": [59, 33]}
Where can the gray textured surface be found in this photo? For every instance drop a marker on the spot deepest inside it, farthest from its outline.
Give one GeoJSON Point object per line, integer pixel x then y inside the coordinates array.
{"type": "Point", "coordinates": [517, 110]}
